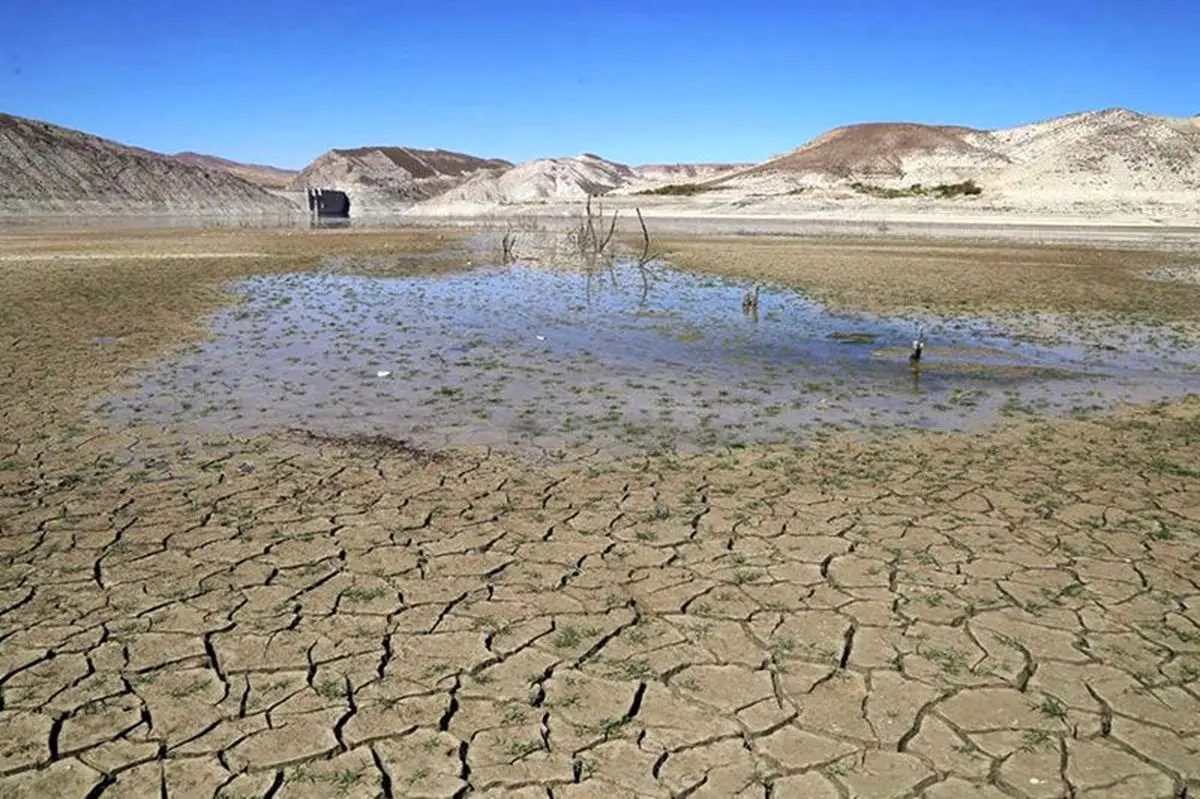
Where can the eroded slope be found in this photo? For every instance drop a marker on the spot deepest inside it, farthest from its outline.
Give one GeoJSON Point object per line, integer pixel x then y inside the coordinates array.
{"type": "Point", "coordinates": [47, 169]}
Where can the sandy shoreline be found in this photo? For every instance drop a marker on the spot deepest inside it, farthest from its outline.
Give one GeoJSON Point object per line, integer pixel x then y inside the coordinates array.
{"type": "Point", "coordinates": [690, 218]}
{"type": "Point", "coordinates": [992, 229]}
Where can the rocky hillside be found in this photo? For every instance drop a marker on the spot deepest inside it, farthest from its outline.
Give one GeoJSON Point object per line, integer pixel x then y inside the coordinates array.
{"type": "Point", "coordinates": [1100, 154]}
{"type": "Point", "coordinates": [384, 178]}
{"type": "Point", "coordinates": [543, 180]}
{"type": "Point", "coordinates": [269, 177]}
{"type": "Point", "coordinates": [47, 169]}
{"type": "Point", "coordinates": [550, 180]}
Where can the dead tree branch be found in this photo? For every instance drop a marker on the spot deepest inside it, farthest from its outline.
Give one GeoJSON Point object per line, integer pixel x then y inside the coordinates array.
{"type": "Point", "coordinates": [589, 239]}
{"type": "Point", "coordinates": [646, 257]}
{"type": "Point", "coordinates": [506, 245]}
{"type": "Point", "coordinates": [590, 236]}
{"type": "Point", "coordinates": [643, 261]}
{"type": "Point", "coordinates": [612, 228]}
{"type": "Point", "coordinates": [593, 237]}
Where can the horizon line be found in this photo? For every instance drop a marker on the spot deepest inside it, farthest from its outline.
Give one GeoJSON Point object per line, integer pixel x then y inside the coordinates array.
{"type": "Point", "coordinates": [585, 153]}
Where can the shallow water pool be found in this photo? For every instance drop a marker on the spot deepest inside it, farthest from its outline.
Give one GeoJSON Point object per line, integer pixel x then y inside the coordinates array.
{"type": "Point", "coordinates": [533, 359]}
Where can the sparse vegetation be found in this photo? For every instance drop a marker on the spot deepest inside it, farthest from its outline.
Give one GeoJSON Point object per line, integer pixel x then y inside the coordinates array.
{"type": "Point", "coordinates": [364, 594]}
{"type": "Point", "coordinates": [1164, 466]}
{"type": "Point", "coordinates": [678, 190]}
{"type": "Point", "coordinates": [943, 191]}
{"type": "Point", "coordinates": [517, 750]}
{"type": "Point", "coordinates": [567, 637]}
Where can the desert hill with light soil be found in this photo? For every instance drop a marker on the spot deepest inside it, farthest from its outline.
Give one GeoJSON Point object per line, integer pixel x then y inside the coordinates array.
{"type": "Point", "coordinates": [384, 178]}
{"type": "Point", "coordinates": [1093, 155]}
{"type": "Point", "coordinates": [561, 179]}
{"type": "Point", "coordinates": [1111, 165]}
{"type": "Point", "coordinates": [1114, 165]}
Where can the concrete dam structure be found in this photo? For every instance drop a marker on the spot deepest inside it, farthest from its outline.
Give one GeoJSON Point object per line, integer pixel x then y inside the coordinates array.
{"type": "Point", "coordinates": [328, 204]}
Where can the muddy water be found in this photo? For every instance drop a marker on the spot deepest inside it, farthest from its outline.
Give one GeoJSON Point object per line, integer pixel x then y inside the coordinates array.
{"type": "Point", "coordinates": [533, 359]}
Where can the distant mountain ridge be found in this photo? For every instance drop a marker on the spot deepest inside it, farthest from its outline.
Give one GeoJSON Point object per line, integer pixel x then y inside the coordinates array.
{"type": "Point", "coordinates": [567, 179]}
{"type": "Point", "coordinates": [667, 173]}
{"type": "Point", "coordinates": [543, 179]}
{"type": "Point", "coordinates": [1113, 158]}
{"type": "Point", "coordinates": [269, 177]}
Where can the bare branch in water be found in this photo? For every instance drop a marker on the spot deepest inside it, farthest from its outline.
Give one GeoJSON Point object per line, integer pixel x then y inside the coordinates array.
{"type": "Point", "coordinates": [646, 256]}
{"type": "Point", "coordinates": [611, 230]}
{"type": "Point", "coordinates": [507, 244]}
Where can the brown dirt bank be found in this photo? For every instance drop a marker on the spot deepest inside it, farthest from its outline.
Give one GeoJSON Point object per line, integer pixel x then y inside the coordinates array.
{"type": "Point", "coordinates": [948, 278]}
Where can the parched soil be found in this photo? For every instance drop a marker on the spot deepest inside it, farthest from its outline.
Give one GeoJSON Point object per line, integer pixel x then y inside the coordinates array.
{"type": "Point", "coordinates": [63, 293]}
{"type": "Point", "coordinates": [1009, 614]}
{"type": "Point", "coordinates": [950, 278]}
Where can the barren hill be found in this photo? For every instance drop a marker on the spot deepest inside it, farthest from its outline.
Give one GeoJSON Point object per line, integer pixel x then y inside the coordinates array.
{"type": "Point", "coordinates": [548, 180]}
{"type": "Point", "coordinates": [1114, 152]}
{"type": "Point", "coordinates": [545, 179]}
{"type": "Point", "coordinates": [1089, 156]}
{"type": "Point", "coordinates": [269, 177]}
{"type": "Point", "coordinates": [386, 177]}
{"type": "Point", "coordinates": [47, 169]}
{"type": "Point", "coordinates": [883, 150]}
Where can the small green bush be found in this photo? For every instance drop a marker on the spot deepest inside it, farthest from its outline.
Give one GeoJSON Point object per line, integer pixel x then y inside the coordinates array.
{"type": "Point", "coordinates": [942, 190]}
{"type": "Point", "coordinates": [677, 190]}
{"type": "Point", "coordinates": [967, 188]}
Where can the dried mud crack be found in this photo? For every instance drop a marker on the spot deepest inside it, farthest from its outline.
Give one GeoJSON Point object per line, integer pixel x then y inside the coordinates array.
{"type": "Point", "coordinates": [1008, 615]}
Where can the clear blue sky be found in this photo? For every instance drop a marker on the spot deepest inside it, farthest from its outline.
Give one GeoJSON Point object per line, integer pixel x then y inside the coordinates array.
{"type": "Point", "coordinates": [633, 80]}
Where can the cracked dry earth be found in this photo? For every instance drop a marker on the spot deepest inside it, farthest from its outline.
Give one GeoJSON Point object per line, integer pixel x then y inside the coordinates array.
{"type": "Point", "coordinates": [1013, 614]}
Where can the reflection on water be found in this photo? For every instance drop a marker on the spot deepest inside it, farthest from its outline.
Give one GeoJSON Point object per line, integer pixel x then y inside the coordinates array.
{"type": "Point", "coordinates": [526, 358]}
